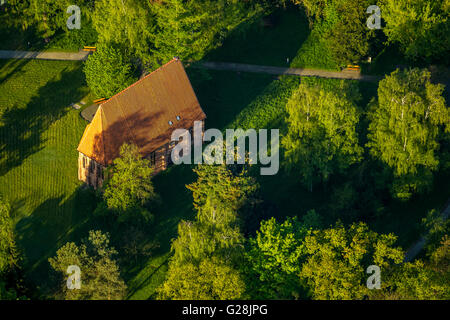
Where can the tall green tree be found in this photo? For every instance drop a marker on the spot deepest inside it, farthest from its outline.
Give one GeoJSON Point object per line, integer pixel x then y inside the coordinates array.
{"type": "Point", "coordinates": [189, 29]}
{"type": "Point", "coordinates": [349, 39]}
{"type": "Point", "coordinates": [322, 137]}
{"type": "Point", "coordinates": [213, 239]}
{"type": "Point", "coordinates": [273, 260]}
{"type": "Point", "coordinates": [8, 251]}
{"type": "Point", "coordinates": [129, 186]}
{"type": "Point", "coordinates": [126, 23]}
{"type": "Point", "coordinates": [419, 280]}
{"type": "Point", "coordinates": [343, 25]}
{"type": "Point", "coordinates": [100, 276]}
{"type": "Point", "coordinates": [337, 259]}
{"type": "Point", "coordinates": [108, 71]}
{"type": "Point", "coordinates": [50, 17]}
{"type": "Point", "coordinates": [421, 27]}
{"type": "Point", "coordinates": [406, 121]}
{"type": "Point", "coordinates": [211, 279]}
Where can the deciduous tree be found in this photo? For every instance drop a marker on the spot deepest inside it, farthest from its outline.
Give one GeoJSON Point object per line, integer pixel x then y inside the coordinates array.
{"type": "Point", "coordinates": [212, 279]}
{"type": "Point", "coordinates": [8, 251]}
{"type": "Point", "coordinates": [273, 260]}
{"type": "Point", "coordinates": [406, 121]}
{"type": "Point", "coordinates": [322, 136]}
{"type": "Point", "coordinates": [421, 27]}
{"type": "Point", "coordinates": [129, 186]}
{"type": "Point", "coordinates": [337, 258]}
{"type": "Point", "coordinates": [126, 23]}
{"type": "Point", "coordinates": [212, 244]}
{"type": "Point", "coordinates": [100, 276]}
{"type": "Point", "coordinates": [108, 71]}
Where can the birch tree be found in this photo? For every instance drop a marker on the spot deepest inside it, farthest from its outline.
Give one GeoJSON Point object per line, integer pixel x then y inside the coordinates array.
{"type": "Point", "coordinates": [322, 137]}
{"type": "Point", "coordinates": [406, 121]}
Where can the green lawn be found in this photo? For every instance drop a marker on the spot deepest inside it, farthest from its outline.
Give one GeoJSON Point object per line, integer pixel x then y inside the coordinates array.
{"type": "Point", "coordinates": [39, 133]}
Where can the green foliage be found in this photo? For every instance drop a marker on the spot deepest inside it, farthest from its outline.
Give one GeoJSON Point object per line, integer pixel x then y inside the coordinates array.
{"type": "Point", "coordinates": [8, 252]}
{"type": "Point", "coordinates": [337, 258]}
{"type": "Point", "coordinates": [419, 280]}
{"type": "Point", "coordinates": [322, 135]}
{"type": "Point", "coordinates": [100, 276]}
{"type": "Point", "coordinates": [7, 294]}
{"type": "Point", "coordinates": [108, 72]}
{"type": "Point", "coordinates": [312, 220]}
{"type": "Point", "coordinates": [130, 185]}
{"type": "Point", "coordinates": [315, 52]}
{"type": "Point", "coordinates": [126, 23]}
{"type": "Point", "coordinates": [74, 39]}
{"type": "Point", "coordinates": [314, 8]}
{"type": "Point", "coordinates": [212, 279]}
{"type": "Point", "coordinates": [49, 17]}
{"type": "Point", "coordinates": [213, 239]}
{"type": "Point", "coordinates": [273, 260]}
{"type": "Point", "coordinates": [436, 227]}
{"type": "Point", "coordinates": [189, 29]}
{"type": "Point", "coordinates": [342, 26]}
{"type": "Point", "coordinates": [349, 38]}
{"type": "Point", "coordinates": [421, 27]}
{"type": "Point", "coordinates": [38, 135]}
{"type": "Point", "coordinates": [406, 121]}
{"type": "Point", "coordinates": [221, 186]}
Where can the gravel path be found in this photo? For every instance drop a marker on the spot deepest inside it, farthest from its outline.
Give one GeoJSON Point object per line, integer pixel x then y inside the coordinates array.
{"type": "Point", "coordinates": [75, 56]}
{"type": "Point", "coordinates": [353, 75]}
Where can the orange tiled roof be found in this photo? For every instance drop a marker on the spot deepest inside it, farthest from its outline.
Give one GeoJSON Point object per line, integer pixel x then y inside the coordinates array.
{"type": "Point", "coordinates": [141, 113]}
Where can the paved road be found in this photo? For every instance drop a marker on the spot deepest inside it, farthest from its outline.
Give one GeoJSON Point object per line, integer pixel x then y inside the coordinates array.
{"type": "Point", "coordinates": [290, 71]}
{"type": "Point", "coordinates": [415, 249]}
{"type": "Point", "coordinates": [75, 56]}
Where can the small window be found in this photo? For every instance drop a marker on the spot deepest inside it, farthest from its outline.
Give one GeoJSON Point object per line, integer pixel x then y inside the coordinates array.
{"type": "Point", "coordinates": [170, 123]}
{"type": "Point", "coordinates": [178, 118]}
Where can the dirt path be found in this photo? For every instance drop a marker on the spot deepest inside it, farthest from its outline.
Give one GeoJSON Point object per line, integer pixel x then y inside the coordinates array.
{"type": "Point", "coordinates": [290, 71]}
{"type": "Point", "coordinates": [6, 54]}
{"type": "Point", "coordinates": [415, 249]}
{"type": "Point", "coordinates": [75, 56]}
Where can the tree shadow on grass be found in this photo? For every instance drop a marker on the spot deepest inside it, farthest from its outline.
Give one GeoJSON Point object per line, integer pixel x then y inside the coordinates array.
{"type": "Point", "coordinates": [224, 94]}
{"type": "Point", "coordinates": [268, 40]}
{"type": "Point", "coordinates": [21, 129]}
{"type": "Point", "coordinates": [13, 66]}
{"type": "Point", "coordinates": [52, 224]}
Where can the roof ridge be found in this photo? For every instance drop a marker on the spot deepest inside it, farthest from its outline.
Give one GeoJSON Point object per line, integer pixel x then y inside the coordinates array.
{"type": "Point", "coordinates": [140, 80]}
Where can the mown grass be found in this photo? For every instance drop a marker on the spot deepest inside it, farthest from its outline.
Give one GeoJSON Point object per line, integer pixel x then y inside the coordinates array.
{"type": "Point", "coordinates": [39, 134]}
